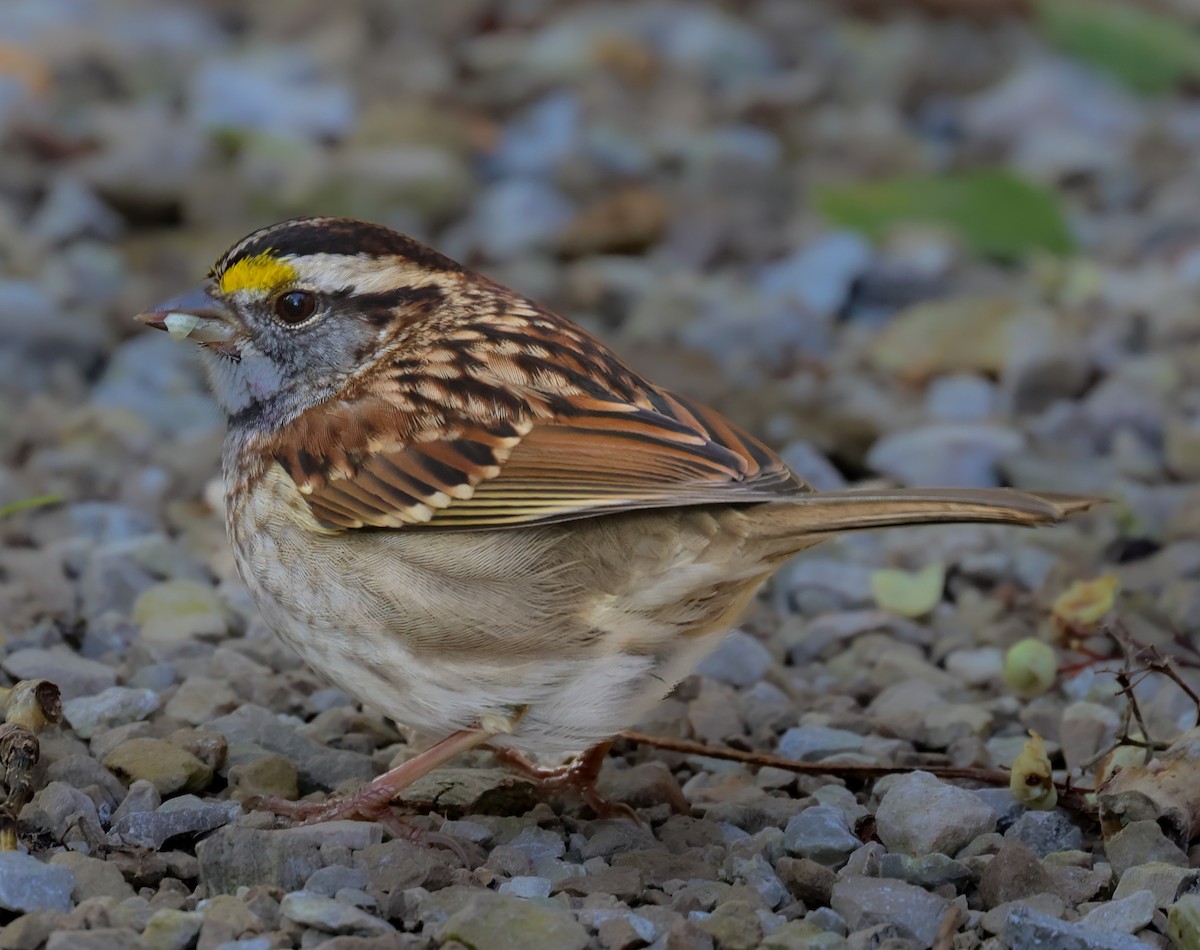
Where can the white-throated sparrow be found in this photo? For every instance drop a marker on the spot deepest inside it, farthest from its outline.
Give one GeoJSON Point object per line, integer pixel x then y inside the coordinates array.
{"type": "Point", "coordinates": [467, 512]}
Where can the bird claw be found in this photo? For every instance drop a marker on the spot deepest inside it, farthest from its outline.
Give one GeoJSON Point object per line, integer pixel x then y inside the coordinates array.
{"type": "Point", "coordinates": [359, 807]}
{"type": "Point", "coordinates": [580, 783]}
{"type": "Point", "coordinates": [351, 808]}
{"type": "Point", "coordinates": [577, 779]}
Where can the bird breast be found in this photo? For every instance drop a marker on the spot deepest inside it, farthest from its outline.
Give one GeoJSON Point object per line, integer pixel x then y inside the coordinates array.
{"type": "Point", "coordinates": [580, 628]}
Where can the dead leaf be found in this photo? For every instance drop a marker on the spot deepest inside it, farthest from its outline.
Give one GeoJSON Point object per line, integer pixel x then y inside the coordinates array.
{"type": "Point", "coordinates": [1085, 603]}
{"type": "Point", "coordinates": [1165, 790]}
{"type": "Point", "coordinates": [1032, 779]}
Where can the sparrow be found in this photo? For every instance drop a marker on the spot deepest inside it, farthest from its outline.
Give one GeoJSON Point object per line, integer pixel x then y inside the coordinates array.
{"type": "Point", "coordinates": [464, 510]}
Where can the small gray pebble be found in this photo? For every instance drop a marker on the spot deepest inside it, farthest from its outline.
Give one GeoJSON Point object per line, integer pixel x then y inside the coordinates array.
{"type": "Point", "coordinates": [821, 834]}
{"type": "Point", "coordinates": [527, 887]}
{"type": "Point", "coordinates": [329, 880]}
{"type": "Point", "coordinates": [1046, 832]}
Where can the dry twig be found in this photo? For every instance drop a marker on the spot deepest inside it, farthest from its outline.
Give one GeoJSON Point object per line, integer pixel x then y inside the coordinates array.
{"type": "Point", "coordinates": [1139, 660]}
{"type": "Point", "coordinates": [1069, 796]}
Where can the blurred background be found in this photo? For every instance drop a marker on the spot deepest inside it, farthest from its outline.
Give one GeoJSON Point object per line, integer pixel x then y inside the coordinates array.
{"type": "Point", "coordinates": [934, 241]}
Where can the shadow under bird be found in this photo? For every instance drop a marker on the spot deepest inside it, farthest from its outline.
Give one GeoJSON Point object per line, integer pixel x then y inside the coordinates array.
{"type": "Point", "coordinates": [465, 511]}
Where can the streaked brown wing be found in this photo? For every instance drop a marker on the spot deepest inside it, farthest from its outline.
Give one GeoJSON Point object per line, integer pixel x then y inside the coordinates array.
{"type": "Point", "coordinates": [404, 486]}
{"type": "Point", "coordinates": [597, 462]}
{"type": "Point", "coordinates": [523, 420]}
{"type": "Point", "coordinates": [677, 454]}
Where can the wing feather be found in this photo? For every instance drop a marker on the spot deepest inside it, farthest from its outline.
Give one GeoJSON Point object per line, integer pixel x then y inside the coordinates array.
{"type": "Point", "coordinates": [544, 426]}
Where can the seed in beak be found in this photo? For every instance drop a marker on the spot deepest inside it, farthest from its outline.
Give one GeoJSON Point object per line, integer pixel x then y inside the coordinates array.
{"type": "Point", "coordinates": [179, 325]}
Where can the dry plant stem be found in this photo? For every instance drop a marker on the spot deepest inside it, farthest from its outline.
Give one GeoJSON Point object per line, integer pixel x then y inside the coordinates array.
{"type": "Point", "coordinates": [1182, 641]}
{"type": "Point", "coordinates": [1069, 796]}
{"type": "Point", "coordinates": [1152, 661]}
{"type": "Point", "coordinates": [29, 706]}
{"type": "Point", "coordinates": [1138, 661]}
{"type": "Point", "coordinates": [1126, 683]}
{"type": "Point", "coordinates": [1166, 667]}
{"type": "Point", "coordinates": [1123, 738]}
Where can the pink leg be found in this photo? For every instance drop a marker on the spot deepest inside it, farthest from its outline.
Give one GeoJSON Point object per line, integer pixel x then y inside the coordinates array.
{"type": "Point", "coordinates": [578, 779]}
{"type": "Point", "coordinates": [373, 801]}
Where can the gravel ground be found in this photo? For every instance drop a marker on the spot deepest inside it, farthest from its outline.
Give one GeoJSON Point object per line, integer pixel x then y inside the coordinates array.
{"type": "Point", "coordinates": [661, 172]}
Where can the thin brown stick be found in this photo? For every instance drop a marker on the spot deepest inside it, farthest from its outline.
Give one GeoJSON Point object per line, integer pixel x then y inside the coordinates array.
{"type": "Point", "coordinates": [1165, 665]}
{"type": "Point", "coordinates": [1138, 660]}
{"type": "Point", "coordinates": [1124, 681]}
{"type": "Point", "coordinates": [688, 747]}
{"type": "Point", "coordinates": [1131, 666]}
{"type": "Point", "coordinates": [1069, 796]}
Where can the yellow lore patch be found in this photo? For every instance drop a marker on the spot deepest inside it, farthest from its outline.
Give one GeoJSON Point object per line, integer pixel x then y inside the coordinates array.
{"type": "Point", "coordinates": [263, 272]}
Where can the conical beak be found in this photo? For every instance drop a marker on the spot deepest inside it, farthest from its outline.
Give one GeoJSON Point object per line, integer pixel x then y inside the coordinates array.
{"type": "Point", "coordinates": [193, 315]}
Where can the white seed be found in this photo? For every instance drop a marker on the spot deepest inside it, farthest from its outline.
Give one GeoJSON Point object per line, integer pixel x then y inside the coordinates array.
{"type": "Point", "coordinates": [179, 325]}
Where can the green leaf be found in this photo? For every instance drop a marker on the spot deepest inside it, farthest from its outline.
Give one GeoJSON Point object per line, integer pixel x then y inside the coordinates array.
{"type": "Point", "coordinates": [27, 503]}
{"type": "Point", "coordinates": [1148, 52]}
{"type": "Point", "coordinates": [997, 213]}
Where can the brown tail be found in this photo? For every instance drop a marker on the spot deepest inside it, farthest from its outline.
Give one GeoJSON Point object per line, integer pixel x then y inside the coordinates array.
{"type": "Point", "coordinates": [830, 512]}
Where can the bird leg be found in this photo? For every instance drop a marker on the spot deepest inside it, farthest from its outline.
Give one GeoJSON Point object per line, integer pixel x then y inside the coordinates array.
{"type": "Point", "coordinates": [577, 778]}
{"type": "Point", "coordinates": [373, 801]}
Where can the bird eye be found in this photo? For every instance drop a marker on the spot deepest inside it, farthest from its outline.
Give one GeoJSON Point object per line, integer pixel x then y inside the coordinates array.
{"type": "Point", "coordinates": [296, 306]}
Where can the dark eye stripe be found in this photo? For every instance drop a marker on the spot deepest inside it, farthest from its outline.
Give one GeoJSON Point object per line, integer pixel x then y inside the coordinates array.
{"type": "Point", "coordinates": [380, 307]}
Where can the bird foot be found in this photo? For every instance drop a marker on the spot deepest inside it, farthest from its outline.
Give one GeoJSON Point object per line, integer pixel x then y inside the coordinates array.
{"type": "Point", "coordinates": [373, 802]}
{"type": "Point", "coordinates": [366, 805]}
{"type": "Point", "coordinates": [576, 779]}
{"type": "Point", "coordinates": [359, 807]}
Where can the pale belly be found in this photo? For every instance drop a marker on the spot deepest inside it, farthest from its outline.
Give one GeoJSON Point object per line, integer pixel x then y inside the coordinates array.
{"type": "Point", "coordinates": [556, 708]}
{"type": "Point", "coordinates": [445, 632]}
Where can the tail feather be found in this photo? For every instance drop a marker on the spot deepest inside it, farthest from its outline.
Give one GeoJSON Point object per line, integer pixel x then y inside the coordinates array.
{"type": "Point", "coordinates": [852, 510]}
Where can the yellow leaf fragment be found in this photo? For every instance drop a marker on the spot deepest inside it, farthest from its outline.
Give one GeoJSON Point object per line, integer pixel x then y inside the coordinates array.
{"type": "Point", "coordinates": [1085, 603]}
{"type": "Point", "coordinates": [1030, 667]}
{"type": "Point", "coordinates": [1032, 779]}
{"type": "Point", "coordinates": [31, 704]}
{"type": "Point", "coordinates": [907, 593]}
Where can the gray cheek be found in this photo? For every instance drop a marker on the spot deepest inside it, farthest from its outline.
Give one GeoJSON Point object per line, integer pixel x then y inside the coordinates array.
{"type": "Point", "coordinates": [282, 372]}
{"type": "Point", "coordinates": [338, 353]}
{"type": "Point", "coordinates": [255, 379]}
{"type": "Point", "coordinates": [263, 377]}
